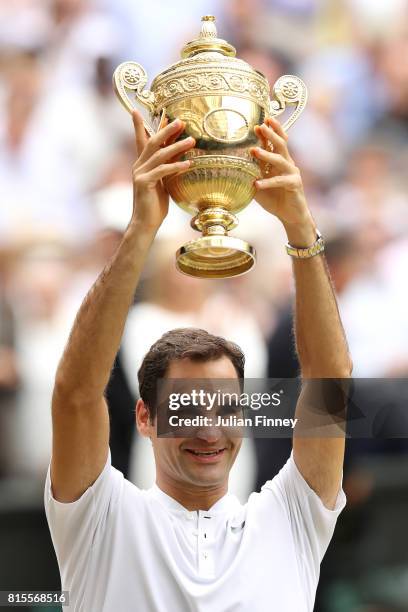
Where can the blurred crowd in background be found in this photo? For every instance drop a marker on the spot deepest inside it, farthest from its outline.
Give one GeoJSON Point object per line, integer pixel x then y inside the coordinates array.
{"type": "Point", "coordinates": [66, 152]}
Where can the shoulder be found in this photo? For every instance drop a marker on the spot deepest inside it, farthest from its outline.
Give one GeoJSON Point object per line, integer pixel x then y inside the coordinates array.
{"type": "Point", "coordinates": [101, 500]}
{"type": "Point", "coordinates": [289, 491]}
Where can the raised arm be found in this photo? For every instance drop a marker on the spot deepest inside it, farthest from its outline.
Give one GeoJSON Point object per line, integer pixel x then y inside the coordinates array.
{"type": "Point", "coordinates": [320, 339]}
{"type": "Point", "coordinates": [79, 411]}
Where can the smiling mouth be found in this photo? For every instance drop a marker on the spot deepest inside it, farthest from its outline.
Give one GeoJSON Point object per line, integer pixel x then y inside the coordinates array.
{"type": "Point", "coordinates": [212, 453]}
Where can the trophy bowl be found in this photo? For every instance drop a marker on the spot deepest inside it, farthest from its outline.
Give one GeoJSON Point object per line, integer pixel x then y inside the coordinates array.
{"type": "Point", "coordinates": [221, 99]}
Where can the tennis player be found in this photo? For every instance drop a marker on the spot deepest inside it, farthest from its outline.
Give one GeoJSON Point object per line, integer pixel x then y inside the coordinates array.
{"type": "Point", "coordinates": [187, 545]}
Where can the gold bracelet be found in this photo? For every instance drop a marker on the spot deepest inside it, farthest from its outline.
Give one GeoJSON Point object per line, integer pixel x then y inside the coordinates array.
{"type": "Point", "coordinates": [306, 252]}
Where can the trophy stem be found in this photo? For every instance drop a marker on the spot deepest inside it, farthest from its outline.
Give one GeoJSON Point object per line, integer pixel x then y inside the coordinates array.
{"type": "Point", "coordinates": [214, 221]}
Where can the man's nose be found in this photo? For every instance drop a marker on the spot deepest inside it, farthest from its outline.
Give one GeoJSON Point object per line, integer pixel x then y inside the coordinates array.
{"type": "Point", "coordinates": [210, 434]}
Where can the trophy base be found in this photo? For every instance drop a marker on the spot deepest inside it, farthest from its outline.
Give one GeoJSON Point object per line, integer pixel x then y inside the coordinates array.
{"type": "Point", "coordinates": [215, 257]}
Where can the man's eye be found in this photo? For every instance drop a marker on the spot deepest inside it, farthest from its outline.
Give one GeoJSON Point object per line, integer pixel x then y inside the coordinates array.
{"type": "Point", "coordinates": [229, 409]}
{"type": "Point", "coordinates": [187, 413]}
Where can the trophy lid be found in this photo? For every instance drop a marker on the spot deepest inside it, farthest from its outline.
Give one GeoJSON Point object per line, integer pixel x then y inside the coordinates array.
{"type": "Point", "coordinates": [209, 65]}
{"type": "Point", "coordinates": [208, 41]}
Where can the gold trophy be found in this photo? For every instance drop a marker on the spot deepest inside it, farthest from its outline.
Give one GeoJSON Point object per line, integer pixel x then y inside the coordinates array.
{"type": "Point", "coordinates": [221, 99]}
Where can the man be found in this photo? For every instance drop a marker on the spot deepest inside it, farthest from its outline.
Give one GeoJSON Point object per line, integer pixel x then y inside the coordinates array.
{"type": "Point", "coordinates": [187, 544]}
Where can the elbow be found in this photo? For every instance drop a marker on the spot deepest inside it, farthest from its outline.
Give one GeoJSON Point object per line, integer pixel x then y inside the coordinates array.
{"type": "Point", "coordinates": [67, 395]}
{"type": "Point", "coordinates": [61, 388]}
{"type": "Point", "coordinates": [70, 395]}
{"type": "Point", "coordinates": [343, 371]}
{"type": "Point", "coordinates": [348, 370]}
{"type": "Point", "coordinates": [62, 394]}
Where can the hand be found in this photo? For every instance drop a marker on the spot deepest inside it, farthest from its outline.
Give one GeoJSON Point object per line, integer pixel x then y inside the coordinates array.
{"type": "Point", "coordinates": [280, 191]}
{"type": "Point", "coordinates": [158, 156]}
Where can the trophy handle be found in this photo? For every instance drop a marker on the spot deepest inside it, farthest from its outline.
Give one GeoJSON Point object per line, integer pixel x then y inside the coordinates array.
{"type": "Point", "coordinates": [130, 78]}
{"type": "Point", "coordinates": [288, 90]}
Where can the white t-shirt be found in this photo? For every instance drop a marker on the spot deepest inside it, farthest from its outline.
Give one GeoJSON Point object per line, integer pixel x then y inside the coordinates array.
{"type": "Point", "coordinates": [121, 549]}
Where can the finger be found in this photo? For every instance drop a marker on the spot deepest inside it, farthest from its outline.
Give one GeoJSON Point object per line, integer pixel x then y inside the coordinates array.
{"type": "Point", "coordinates": [168, 153]}
{"type": "Point", "coordinates": [291, 182]}
{"type": "Point", "coordinates": [164, 121]}
{"type": "Point", "coordinates": [173, 129]}
{"type": "Point", "coordinates": [278, 143]}
{"type": "Point", "coordinates": [274, 123]}
{"type": "Point", "coordinates": [269, 133]}
{"type": "Point", "coordinates": [161, 171]}
{"type": "Point", "coordinates": [276, 160]}
{"type": "Point", "coordinates": [172, 140]}
{"type": "Point", "coordinates": [141, 136]}
{"type": "Point", "coordinates": [262, 139]}
{"type": "Point", "coordinates": [174, 136]}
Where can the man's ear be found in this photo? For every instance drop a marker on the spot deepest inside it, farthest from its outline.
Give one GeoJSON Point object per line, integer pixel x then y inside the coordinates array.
{"type": "Point", "coordinates": [143, 422]}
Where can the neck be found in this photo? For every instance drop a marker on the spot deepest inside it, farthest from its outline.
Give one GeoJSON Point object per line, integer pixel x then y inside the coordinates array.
{"type": "Point", "coordinates": [192, 497]}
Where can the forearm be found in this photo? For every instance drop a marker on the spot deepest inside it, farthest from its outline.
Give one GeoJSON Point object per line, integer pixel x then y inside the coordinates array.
{"type": "Point", "coordinates": [318, 442]}
{"type": "Point", "coordinates": [320, 340]}
{"type": "Point", "coordinates": [84, 369]}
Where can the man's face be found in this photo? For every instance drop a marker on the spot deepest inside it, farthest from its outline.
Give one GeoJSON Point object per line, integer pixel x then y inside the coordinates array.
{"type": "Point", "coordinates": [188, 460]}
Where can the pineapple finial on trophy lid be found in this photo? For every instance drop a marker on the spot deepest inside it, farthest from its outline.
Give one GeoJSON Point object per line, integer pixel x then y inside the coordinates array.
{"type": "Point", "coordinates": [208, 28]}
{"type": "Point", "coordinates": [207, 41]}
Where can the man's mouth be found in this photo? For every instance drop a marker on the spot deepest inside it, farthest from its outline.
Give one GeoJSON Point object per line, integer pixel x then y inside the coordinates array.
{"type": "Point", "coordinates": [205, 455]}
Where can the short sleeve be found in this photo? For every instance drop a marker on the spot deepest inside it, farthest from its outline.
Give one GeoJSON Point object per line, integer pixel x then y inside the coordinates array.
{"type": "Point", "coordinates": [312, 524]}
{"type": "Point", "coordinates": [75, 525]}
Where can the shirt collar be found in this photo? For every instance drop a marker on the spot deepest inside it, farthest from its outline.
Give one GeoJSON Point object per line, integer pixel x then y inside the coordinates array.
{"type": "Point", "coordinates": [224, 505]}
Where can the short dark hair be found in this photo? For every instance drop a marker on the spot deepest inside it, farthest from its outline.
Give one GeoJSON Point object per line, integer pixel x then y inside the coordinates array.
{"type": "Point", "coordinates": [184, 343]}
